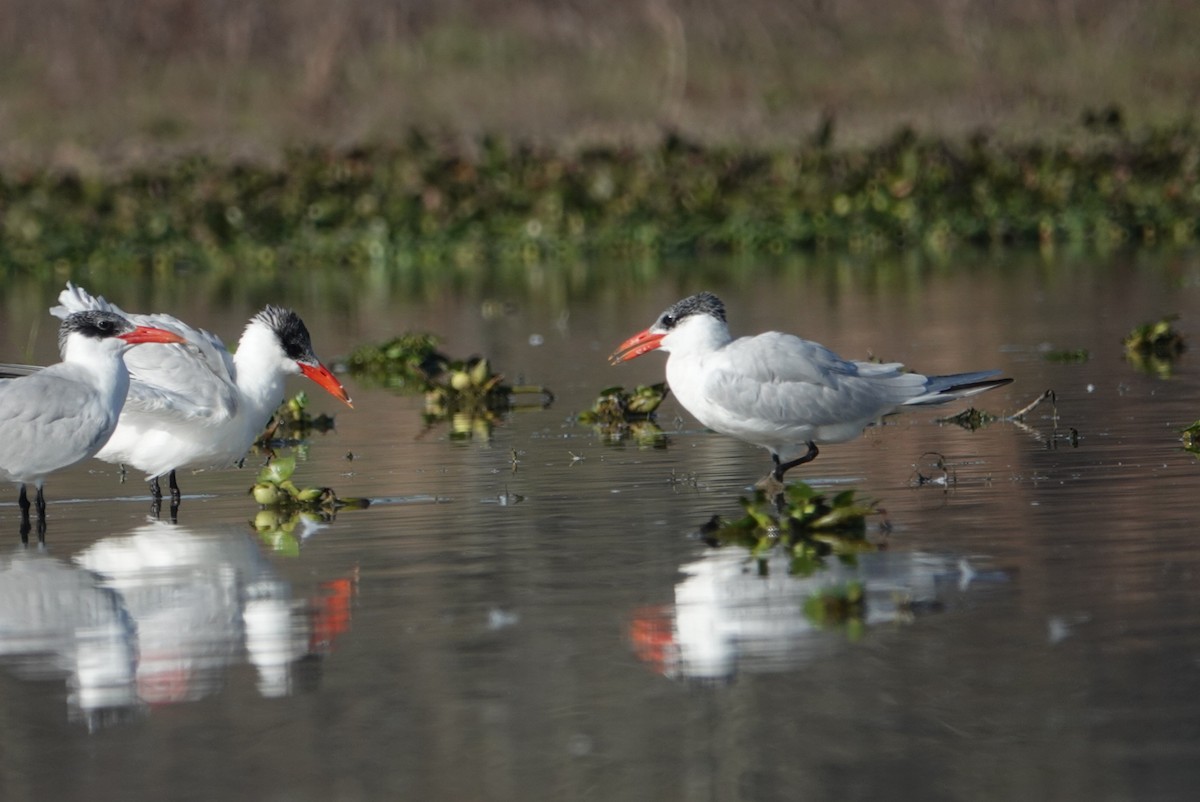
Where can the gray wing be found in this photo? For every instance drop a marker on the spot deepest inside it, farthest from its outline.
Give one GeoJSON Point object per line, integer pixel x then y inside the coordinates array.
{"type": "Point", "coordinates": [196, 381]}
{"type": "Point", "coordinates": [49, 422]}
{"type": "Point", "coordinates": [787, 380]}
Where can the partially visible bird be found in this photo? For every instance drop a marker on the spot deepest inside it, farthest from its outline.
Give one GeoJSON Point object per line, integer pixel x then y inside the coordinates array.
{"type": "Point", "coordinates": [779, 391]}
{"type": "Point", "coordinates": [197, 405]}
{"type": "Point", "coordinates": [65, 413]}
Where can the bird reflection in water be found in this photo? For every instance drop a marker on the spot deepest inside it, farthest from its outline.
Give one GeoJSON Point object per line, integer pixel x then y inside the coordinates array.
{"type": "Point", "coordinates": [159, 617]}
{"type": "Point", "coordinates": [735, 613]}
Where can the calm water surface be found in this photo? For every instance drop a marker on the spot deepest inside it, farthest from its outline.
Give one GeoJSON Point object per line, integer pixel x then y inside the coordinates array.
{"type": "Point", "coordinates": [530, 615]}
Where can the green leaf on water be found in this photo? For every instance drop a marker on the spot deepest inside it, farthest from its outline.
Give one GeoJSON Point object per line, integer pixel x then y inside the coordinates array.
{"type": "Point", "coordinates": [278, 470]}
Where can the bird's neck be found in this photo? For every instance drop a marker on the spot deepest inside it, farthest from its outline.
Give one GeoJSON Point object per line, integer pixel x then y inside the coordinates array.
{"type": "Point", "coordinates": [701, 336]}
{"type": "Point", "coordinates": [261, 374]}
{"type": "Point", "coordinates": [102, 362]}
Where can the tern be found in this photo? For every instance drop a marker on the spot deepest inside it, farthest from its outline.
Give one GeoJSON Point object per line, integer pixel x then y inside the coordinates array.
{"type": "Point", "coordinates": [779, 391]}
{"type": "Point", "coordinates": [197, 405]}
{"type": "Point", "coordinates": [65, 413]}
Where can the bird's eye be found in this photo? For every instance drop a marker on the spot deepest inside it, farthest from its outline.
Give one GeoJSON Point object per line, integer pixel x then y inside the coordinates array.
{"type": "Point", "coordinates": [668, 321]}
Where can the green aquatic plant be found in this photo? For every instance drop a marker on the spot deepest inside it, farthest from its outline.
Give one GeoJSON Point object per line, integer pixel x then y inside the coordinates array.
{"type": "Point", "coordinates": [275, 489]}
{"type": "Point", "coordinates": [619, 415]}
{"type": "Point", "coordinates": [409, 361]}
{"type": "Point", "coordinates": [292, 422]}
{"type": "Point", "coordinates": [806, 522]}
{"type": "Point", "coordinates": [1153, 347]}
{"type": "Point", "coordinates": [1158, 337]}
{"type": "Point", "coordinates": [616, 406]}
{"type": "Point", "coordinates": [466, 393]}
{"type": "Point", "coordinates": [1191, 438]}
{"type": "Point", "coordinates": [471, 398]}
{"type": "Point", "coordinates": [970, 419]}
{"type": "Point", "coordinates": [1069, 356]}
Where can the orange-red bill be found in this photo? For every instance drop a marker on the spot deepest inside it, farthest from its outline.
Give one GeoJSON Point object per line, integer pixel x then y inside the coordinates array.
{"type": "Point", "coordinates": [321, 375]}
{"type": "Point", "coordinates": [641, 343]}
{"type": "Point", "coordinates": [149, 334]}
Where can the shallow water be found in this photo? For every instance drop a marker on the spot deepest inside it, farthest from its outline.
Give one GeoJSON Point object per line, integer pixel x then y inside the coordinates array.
{"type": "Point", "coordinates": [531, 615]}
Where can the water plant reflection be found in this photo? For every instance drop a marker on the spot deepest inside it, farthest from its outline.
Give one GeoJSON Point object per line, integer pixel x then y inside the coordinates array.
{"type": "Point", "coordinates": [159, 616]}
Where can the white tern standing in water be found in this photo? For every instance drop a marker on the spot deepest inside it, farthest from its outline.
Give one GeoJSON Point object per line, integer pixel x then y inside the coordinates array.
{"type": "Point", "coordinates": [777, 390]}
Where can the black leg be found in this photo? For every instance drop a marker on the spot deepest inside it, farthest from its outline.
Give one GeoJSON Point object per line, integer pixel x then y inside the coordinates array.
{"type": "Point", "coordinates": [174, 489]}
{"type": "Point", "coordinates": [40, 503]}
{"type": "Point", "coordinates": [783, 467]}
{"type": "Point", "coordinates": [155, 496]}
{"type": "Point", "coordinates": [23, 503]}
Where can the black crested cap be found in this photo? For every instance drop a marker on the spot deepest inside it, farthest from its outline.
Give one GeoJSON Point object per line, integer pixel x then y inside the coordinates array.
{"type": "Point", "coordinates": [93, 323]}
{"type": "Point", "coordinates": [291, 331]}
{"type": "Point", "coordinates": [702, 303]}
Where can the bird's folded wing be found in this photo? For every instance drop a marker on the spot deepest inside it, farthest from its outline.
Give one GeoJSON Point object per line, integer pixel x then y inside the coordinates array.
{"type": "Point", "coordinates": [181, 382]}
{"type": "Point", "coordinates": [783, 379]}
{"type": "Point", "coordinates": [195, 381]}
{"type": "Point", "coordinates": [48, 413]}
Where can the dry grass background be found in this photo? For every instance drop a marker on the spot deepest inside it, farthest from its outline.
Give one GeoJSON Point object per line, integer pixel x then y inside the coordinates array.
{"type": "Point", "coordinates": [100, 83]}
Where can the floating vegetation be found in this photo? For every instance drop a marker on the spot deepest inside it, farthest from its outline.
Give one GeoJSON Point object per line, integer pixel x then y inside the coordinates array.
{"type": "Point", "coordinates": [970, 419]}
{"type": "Point", "coordinates": [615, 405]}
{"type": "Point", "coordinates": [408, 362]}
{"type": "Point", "coordinates": [464, 392]}
{"type": "Point", "coordinates": [292, 422]}
{"type": "Point", "coordinates": [619, 415]}
{"type": "Point", "coordinates": [933, 469]}
{"type": "Point", "coordinates": [1070, 356]}
{"type": "Point", "coordinates": [1191, 438]}
{"type": "Point", "coordinates": [1154, 347]}
{"type": "Point", "coordinates": [440, 210]}
{"type": "Point", "coordinates": [275, 489]}
{"type": "Point", "coordinates": [469, 384]}
{"type": "Point", "coordinates": [810, 525]}
{"type": "Point", "coordinates": [1159, 338]}
{"type": "Point", "coordinates": [471, 397]}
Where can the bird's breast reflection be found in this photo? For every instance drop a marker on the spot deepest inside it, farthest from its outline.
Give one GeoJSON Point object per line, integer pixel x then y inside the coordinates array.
{"type": "Point", "coordinates": [734, 613]}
